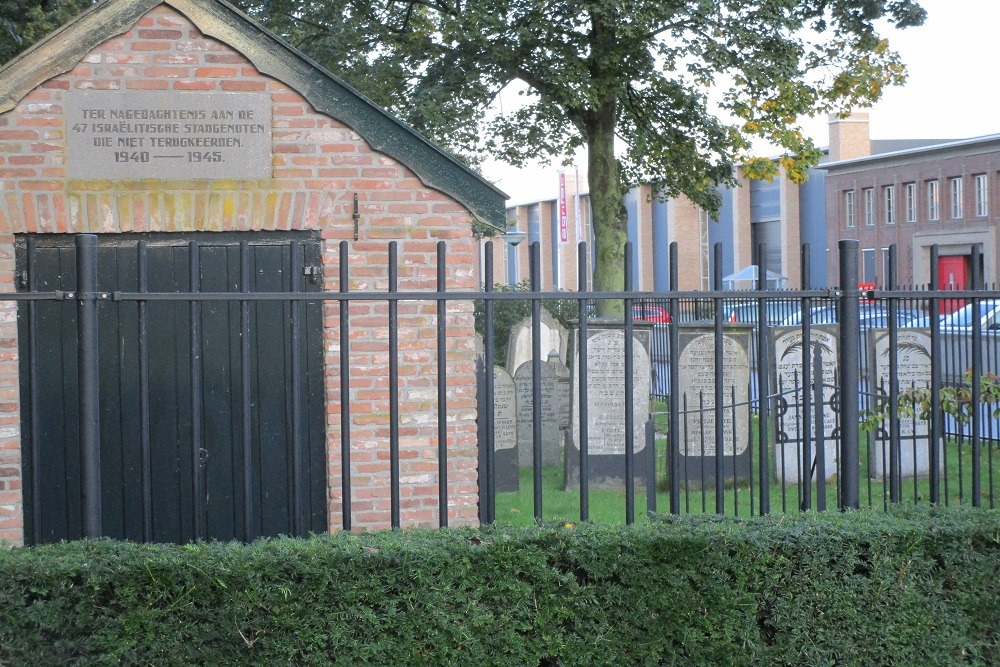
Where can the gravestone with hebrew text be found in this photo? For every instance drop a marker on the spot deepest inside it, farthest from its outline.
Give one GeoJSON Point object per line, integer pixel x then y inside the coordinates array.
{"type": "Point", "coordinates": [699, 436]}
{"type": "Point", "coordinates": [554, 406]}
{"type": "Point", "coordinates": [913, 372]}
{"type": "Point", "coordinates": [606, 422]}
{"type": "Point", "coordinates": [793, 413]}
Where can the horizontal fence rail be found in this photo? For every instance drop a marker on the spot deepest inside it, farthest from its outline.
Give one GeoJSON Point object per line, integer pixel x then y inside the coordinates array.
{"type": "Point", "coordinates": [736, 402]}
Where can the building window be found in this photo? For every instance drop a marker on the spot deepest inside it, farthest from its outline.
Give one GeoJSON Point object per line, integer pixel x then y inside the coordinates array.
{"type": "Point", "coordinates": [982, 196]}
{"type": "Point", "coordinates": [849, 208]}
{"type": "Point", "coordinates": [933, 200]}
{"type": "Point", "coordinates": [869, 194]}
{"type": "Point", "coordinates": [956, 198]}
{"type": "Point", "coordinates": [911, 202]}
{"type": "Point", "coordinates": [888, 197]}
{"type": "Point", "coordinates": [868, 266]}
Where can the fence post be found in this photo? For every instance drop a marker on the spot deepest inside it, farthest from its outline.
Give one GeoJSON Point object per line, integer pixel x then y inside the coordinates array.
{"type": "Point", "coordinates": [718, 397]}
{"type": "Point", "coordinates": [850, 464]}
{"type": "Point", "coordinates": [763, 389]}
{"type": "Point", "coordinates": [674, 423]}
{"type": "Point", "coordinates": [937, 419]}
{"type": "Point", "coordinates": [89, 383]}
{"type": "Point", "coordinates": [976, 352]}
{"type": "Point", "coordinates": [895, 447]}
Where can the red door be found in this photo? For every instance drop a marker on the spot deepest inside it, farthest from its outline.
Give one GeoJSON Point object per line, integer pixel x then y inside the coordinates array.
{"type": "Point", "coordinates": [953, 274]}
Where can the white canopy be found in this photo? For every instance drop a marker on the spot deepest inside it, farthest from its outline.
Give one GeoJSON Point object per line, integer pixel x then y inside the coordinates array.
{"type": "Point", "coordinates": [749, 273]}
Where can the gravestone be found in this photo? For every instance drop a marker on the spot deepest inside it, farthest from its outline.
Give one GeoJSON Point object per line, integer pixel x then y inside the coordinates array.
{"type": "Point", "coordinates": [913, 370]}
{"type": "Point", "coordinates": [606, 407]}
{"type": "Point", "coordinates": [507, 475]}
{"type": "Point", "coordinates": [553, 336]}
{"type": "Point", "coordinates": [554, 378]}
{"type": "Point", "coordinates": [790, 420]}
{"type": "Point", "coordinates": [696, 377]}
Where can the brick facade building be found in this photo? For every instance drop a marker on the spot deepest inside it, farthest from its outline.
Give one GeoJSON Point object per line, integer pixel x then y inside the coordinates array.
{"type": "Point", "coordinates": [943, 193]}
{"type": "Point", "coordinates": [327, 145]}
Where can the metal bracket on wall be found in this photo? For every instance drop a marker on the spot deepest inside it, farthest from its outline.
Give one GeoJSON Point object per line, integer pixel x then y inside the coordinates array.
{"type": "Point", "coordinates": [356, 216]}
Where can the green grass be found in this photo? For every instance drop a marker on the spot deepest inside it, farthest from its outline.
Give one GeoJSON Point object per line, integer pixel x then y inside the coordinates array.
{"type": "Point", "coordinates": [609, 506]}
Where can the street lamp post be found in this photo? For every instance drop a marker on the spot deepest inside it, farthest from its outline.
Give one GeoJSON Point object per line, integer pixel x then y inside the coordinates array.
{"type": "Point", "coordinates": [514, 238]}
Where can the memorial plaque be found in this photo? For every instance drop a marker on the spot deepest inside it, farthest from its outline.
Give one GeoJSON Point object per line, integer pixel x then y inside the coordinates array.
{"type": "Point", "coordinates": [555, 411]}
{"type": "Point", "coordinates": [133, 135]}
{"type": "Point", "coordinates": [696, 377]}
{"type": "Point", "coordinates": [789, 415]}
{"type": "Point", "coordinates": [913, 370]}
{"type": "Point", "coordinates": [606, 406]}
{"type": "Point", "coordinates": [553, 336]}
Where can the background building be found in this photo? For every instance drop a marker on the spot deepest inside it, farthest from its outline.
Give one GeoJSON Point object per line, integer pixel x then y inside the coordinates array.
{"type": "Point", "coordinates": [912, 192]}
{"type": "Point", "coordinates": [942, 192]}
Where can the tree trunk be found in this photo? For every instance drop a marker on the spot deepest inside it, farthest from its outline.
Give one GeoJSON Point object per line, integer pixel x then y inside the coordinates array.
{"type": "Point", "coordinates": [608, 215]}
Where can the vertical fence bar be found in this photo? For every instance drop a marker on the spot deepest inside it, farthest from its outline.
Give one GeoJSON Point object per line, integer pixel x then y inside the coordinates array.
{"type": "Point", "coordinates": [629, 393]}
{"type": "Point", "coordinates": [394, 509]}
{"type": "Point", "coordinates": [36, 463]}
{"type": "Point", "coordinates": [977, 370]}
{"type": "Point", "coordinates": [895, 447]}
{"type": "Point", "coordinates": [534, 252]}
{"type": "Point", "coordinates": [248, 483]}
{"type": "Point", "coordinates": [818, 419]}
{"type": "Point", "coordinates": [937, 419]}
{"type": "Point", "coordinates": [763, 460]}
{"type": "Point", "coordinates": [442, 379]}
{"type": "Point", "coordinates": [298, 518]}
{"type": "Point", "coordinates": [144, 452]}
{"type": "Point", "coordinates": [849, 375]}
{"type": "Point", "coordinates": [807, 418]}
{"type": "Point", "coordinates": [582, 268]}
{"type": "Point", "coordinates": [718, 398]}
{"type": "Point", "coordinates": [89, 384]}
{"type": "Point", "coordinates": [197, 436]}
{"type": "Point", "coordinates": [345, 391]}
{"type": "Point", "coordinates": [674, 424]}
{"type": "Point", "coordinates": [650, 467]}
{"type": "Point", "coordinates": [490, 341]}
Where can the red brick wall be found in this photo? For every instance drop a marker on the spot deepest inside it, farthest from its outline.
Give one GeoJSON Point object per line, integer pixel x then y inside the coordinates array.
{"type": "Point", "coordinates": [318, 165]}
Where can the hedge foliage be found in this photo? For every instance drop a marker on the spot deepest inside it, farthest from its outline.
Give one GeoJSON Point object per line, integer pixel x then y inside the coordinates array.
{"type": "Point", "coordinates": [920, 587]}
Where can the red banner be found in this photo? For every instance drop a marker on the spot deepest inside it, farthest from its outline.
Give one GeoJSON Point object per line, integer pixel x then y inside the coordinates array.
{"type": "Point", "coordinates": [563, 210]}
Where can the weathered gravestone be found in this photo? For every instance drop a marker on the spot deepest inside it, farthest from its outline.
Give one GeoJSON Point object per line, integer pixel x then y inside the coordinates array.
{"type": "Point", "coordinates": [606, 407]}
{"type": "Point", "coordinates": [504, 434]}
{"type": "Point", "coordinates": [789, 413]}
{"type": "Point", "coordinates": [913, 371]}
{"type": "Point", "coordinates": [696, 377]}
{"type": "Point", "coordinates": [504, 431]}
{"type": "Point", "coordinates": [554, 405]}
{"type": "Point", "coordinates": [553, 336]}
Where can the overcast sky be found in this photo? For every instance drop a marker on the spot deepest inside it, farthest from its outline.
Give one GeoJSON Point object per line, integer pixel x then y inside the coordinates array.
{"type": "Point", "coordinates": [948, 95]}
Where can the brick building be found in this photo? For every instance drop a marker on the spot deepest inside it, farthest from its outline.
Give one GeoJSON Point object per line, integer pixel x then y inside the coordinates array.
{"type": "Point", "coordinates": [320, 146]}
{"type": "Point", "coordinates": [915, 196]}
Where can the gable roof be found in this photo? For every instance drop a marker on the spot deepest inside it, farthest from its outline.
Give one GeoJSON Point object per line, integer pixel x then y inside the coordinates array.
{"type": "Point", "coordinates": [272, 56]}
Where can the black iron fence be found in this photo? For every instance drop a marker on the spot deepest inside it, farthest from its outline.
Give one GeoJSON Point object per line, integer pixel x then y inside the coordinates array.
{"type": "Point", "coordinates": [847, 396]}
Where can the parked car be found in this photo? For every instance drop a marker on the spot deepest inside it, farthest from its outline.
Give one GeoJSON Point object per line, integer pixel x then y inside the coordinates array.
{"type": "Point", "coordinates": [648, 312]}
{"type": "Point", "coordinates": [870, 316]}
{"type": "Point", "coordinates": [775, 312]}
{"type": "Point", "coordinates": [961, 319]}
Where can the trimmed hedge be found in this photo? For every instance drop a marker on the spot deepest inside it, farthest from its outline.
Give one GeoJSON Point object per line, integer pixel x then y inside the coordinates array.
{"type": "Point", "coordinates": [919, 587]}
